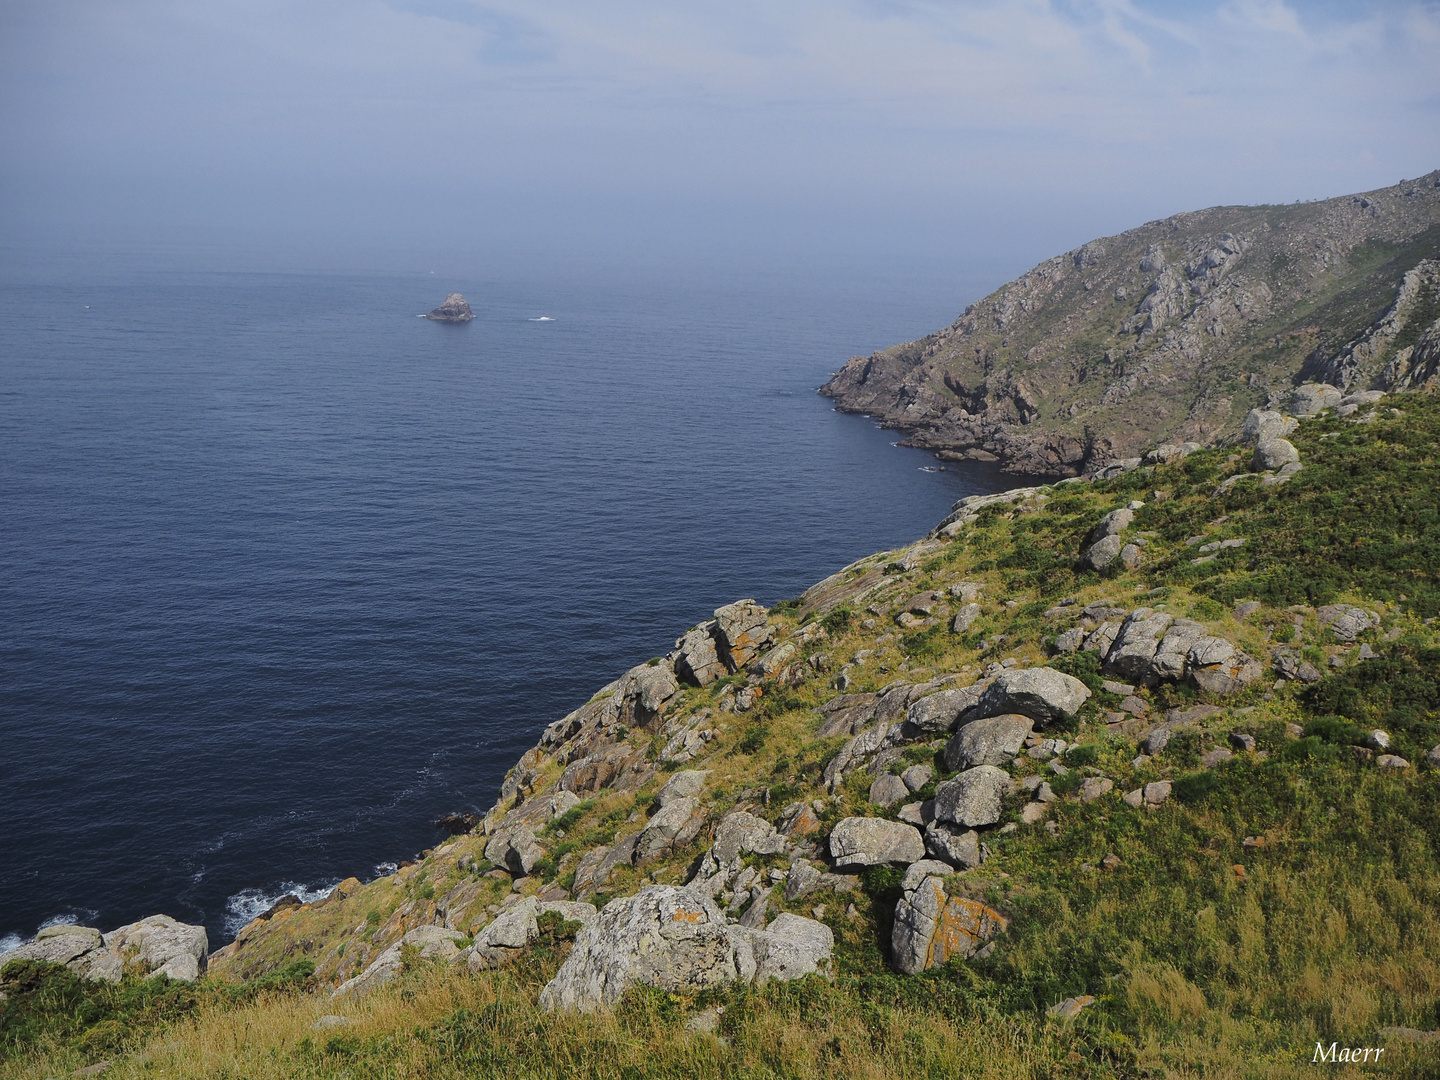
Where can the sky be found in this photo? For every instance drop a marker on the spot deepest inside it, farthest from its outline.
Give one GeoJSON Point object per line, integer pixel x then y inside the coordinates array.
{"type": "Point", "coordinates": [851, 130]}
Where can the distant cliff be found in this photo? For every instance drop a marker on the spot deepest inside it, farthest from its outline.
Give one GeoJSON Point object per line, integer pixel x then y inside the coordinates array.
{"type": "Point", "coordinates": [1170, 333]}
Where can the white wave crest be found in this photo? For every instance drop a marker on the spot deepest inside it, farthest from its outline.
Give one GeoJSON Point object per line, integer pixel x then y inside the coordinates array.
{"type": "Point", "coordinates": [9, 943]}
{"type": "Point", "coordinates": [248, 903]}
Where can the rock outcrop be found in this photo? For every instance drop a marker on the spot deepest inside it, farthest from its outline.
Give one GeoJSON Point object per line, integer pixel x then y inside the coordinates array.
{"type": "Point", "coordinates": [678, 939]}
{"type": "Point", "coordinates": [157, 945]}
{"type": "Point", "coordinates": [931, 926]}
{"type": "Point", "coordinates": [1096, 355]}
{"type": "Point", "coordinates": [454, 310]}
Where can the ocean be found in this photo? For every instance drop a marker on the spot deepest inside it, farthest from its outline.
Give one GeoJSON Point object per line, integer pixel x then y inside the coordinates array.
{"type": "Point", "coordinates": [287, 571]}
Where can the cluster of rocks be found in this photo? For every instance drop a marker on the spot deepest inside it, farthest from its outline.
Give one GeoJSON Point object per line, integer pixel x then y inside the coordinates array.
{"type": "Point", "coordinates": [156, 945]}
{"type": "Point", "coordinates": [1148, 647]}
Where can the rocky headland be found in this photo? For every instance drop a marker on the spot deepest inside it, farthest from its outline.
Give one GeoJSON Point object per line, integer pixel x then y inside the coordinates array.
{"type": "Point", "coordinates": [1170, 333]}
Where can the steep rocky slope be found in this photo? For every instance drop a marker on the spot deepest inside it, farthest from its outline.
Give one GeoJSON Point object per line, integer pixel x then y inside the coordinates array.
{"type": "Point", "coordinates": [1170, 333]}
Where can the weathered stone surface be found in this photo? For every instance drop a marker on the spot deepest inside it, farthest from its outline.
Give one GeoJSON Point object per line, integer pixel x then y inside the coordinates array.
{"type": "Point", "coordinates": [1391, 761]}
{"type": "Point", "coordinates": [1095, 786]}
{"type": "Point", "coordinates": [1103, 552]}
{"type": "Point", "coordinates": [772, 661]}
{"type": "Point", "coordinates": [1070, 1007]}
{"type": "Point", "coordinates": [1345, 622]}
{"type": "Point", "coordinates": [670, 937]}
{"type": "Point", "coordinates": [685, 784]}
{"type": "Point", "coordinates": [965, 618]}
{"type": "Point", "coordinates": [1136, 642]}
{"type": "Point", "coordinates": [677, 939]}
{"type": "Point", "coordinates": [917, 776]}
{"type": "Point", "coordinates": [433, 942]}
{"type": "Point", "coordinates": [1171, 654]}
{"type": "Point", "coordinates": [1272, 454]}
{"type": "Point", "coordinates": [659, 834]}
{"type": "Point", "coordinates": [1229, 676]}
{"type": "Point", "coordinates": [991, 741]}
{"type": "Point", "coordinates": [508, 934]}
{"type": "Point", "coordinates": [452, 309]}
{"type": "Point", "coordinates": [859, 841]}
{"type": "Point", "coordinates": [515, 849]}
{"type": "Point", "coordinates": [974, 797]}
{"type": "Point", "coordinates": [740, 831]}
{"type": "Point", "coordinates": [1112, 524]}
{"type": "Point", "coordinates": [802, 879]}
{"type": "Point", "coordinates": [847, 714]}
{"type": "Point", "coordinates": [1261, 425]}
{"type": "Point", "coordinates": [80, 948]}
{"type": "Point", "coordinates": [853, 754]}
{"type": "Point", "coordinates": [569, 910]}
{"type": "Point", "coordinates": [645, 691]}
{"type": "Point", "coordinates": [1070, 640]}
{"type": "Point", "coordinates": [936, 714]}
{"type": "Point", "coordinates": [887, 790]}
{"type": "Point", "coordinates": [791, 947]}
{"type": "Point", "coordinates": [1311, 398]}
{"type": "Point", "coordinates": [697, 660]}
{"type": "Point", "coordinates": [915, 873]}
{"type": "Point", "coordinates": [1156, 793]}
{"type": "Point", "coordinates": [951, 846]}
{"type": "Point", "coordinates": [741, 632]}
{"type": "Point", "coordinates": [931, 927]}
{"type": "Point", "coordinates": [164, 945]}
{"type": "Point", "coordinates": [1041, 693]}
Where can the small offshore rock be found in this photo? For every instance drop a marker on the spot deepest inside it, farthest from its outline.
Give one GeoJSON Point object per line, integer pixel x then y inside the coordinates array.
{"type": "Point", "coordinates": [453, 309]}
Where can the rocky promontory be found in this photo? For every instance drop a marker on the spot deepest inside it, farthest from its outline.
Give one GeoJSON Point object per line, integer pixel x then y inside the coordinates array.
{"type": "Point", "coordinates": [1170, 333]}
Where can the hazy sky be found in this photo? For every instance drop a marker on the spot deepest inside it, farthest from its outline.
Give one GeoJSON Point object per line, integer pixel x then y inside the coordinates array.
{"type": "Point", "coordinates": [862, 129]}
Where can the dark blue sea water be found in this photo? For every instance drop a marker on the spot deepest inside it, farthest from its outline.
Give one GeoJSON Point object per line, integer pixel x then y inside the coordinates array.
{"type": "Point", "coordinates": [286, 571]}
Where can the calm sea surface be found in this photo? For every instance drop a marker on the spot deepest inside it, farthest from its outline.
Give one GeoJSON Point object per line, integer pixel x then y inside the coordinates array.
{"type": "Point", "coordinates": [286, 571]}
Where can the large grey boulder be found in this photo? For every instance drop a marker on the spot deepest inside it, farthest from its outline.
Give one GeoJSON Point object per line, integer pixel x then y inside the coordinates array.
{"type": "Point", "coordinates": [515, 849]}
{"type": "Point", "coordinates": [932, 926]}
{"type": "Point", "coordinates": [1103, 552]}
{"type": "Point", "coordinates": [1261, 425]}
{"type": "Point", "coordinates": [677, 939]}
{"type": "Point", "coordinates": [791, 947]}
{"type": "Point", "coordinates": [1173, 651]}
{"type": "Point", "coordinates": [1041, 693]}
{"type": "Point", "coordinates": [1273, 454]}
{"type": "Point", "coordinates": [507, 936]}
{"type": "Point", "coordinates": [935, 714]}
{"type": "Point", "coordinates": [673, 938]}
{"type": "Point", "coordinates": [888, 789]}
{"type": "Point", "coordinates": [974, 797]}
{"type": "Point", "coordinates": [164, 945]}
{"type": "Point", "coordinates": [965, 618]}
{"type": "Point", "coordinates": [1136, 643]}
{"type": "Point", "coordinates": [859, 841]}
{"type": "Point", "coordinates": [1311, 398]}
{"type": "Point", "coordinates": [740, 831]}
{"type": "Point", "coordinates": [667, 829]}
{"type": "Point", "coordinates": [432, 942]}
{"type": "Point", "coordinates": [993, 740]}
{"type": "Point", "coordinates": [1112, 524]}
{"type": "Point", "coordinates": [951, 846]}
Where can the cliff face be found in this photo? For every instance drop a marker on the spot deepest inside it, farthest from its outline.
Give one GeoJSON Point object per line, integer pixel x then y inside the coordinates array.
{"type": "Point", "coordinates": [1168, 333]}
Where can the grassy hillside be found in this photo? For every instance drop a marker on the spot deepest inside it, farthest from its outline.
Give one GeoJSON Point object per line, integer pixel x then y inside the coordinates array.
{"type": "Point", "coordinates": [1285, 895]}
